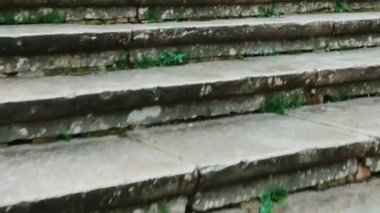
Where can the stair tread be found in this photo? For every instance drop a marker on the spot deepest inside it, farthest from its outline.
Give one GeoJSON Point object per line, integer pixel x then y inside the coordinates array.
{"type": "Point", "coordinates": [14, 31]}
{"type": "Point", "coordinates": [266, 143]}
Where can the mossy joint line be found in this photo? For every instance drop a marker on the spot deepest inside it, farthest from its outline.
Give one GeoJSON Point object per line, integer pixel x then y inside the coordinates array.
{"type": "Point", "coordinates": [280, 103]}
{"type": "Point", "coordinates": [12, 18]}
{"type": "Point", "coordinates": [269, 11]}
{"type": "Point", "coordinates": [166, 58]}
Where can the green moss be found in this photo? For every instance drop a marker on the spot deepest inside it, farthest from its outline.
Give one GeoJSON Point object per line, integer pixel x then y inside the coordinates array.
{"type": "Point", "coordinates": [66, 133]}
{"type": "Point", "coordinates": [120, 64]}
{"type": "Point", "coordinates": [341, 6]}
{"type": "Point", "coordinates": [163, 208]}
{"type": "Point", "coordinates": [12, 18]}
{"type": "Point", "coordinates": [166, 58]}
{"type": "Point", "coordinates": [153, 16]}
{"type": "Point", "coordinates": [272, 11]}
{"type": "Point", "coordinates": [8, 18]}
{"type": "Point", "coordinates": [275, 195]}
{"type": "Point", "coordinates": [342, 95]}
{"type": "Point", "coordinates": [280, 103]}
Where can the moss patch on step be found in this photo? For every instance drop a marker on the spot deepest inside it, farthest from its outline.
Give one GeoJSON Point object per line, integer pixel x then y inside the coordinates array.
{"type": "Point", "coordinates": [12, 18]}
{"type": "Point", "coordinates": [279, 103]}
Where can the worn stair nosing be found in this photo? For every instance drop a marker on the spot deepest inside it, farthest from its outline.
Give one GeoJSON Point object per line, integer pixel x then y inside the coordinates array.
{"type": "Point", "coordinates": [26, 40]}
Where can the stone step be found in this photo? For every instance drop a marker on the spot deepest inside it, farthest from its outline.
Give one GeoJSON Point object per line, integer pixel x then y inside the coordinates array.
{"type": "Point", "coordinates": [360, 197]}
{"type": "Point", "coordinates": [79, 49]}
{"type": "Point", "coordinates": [124, 11]}
{"type": "Point", "coordinates": [201, 165]}
{"type": "Point", "coordinates": [72, 105]}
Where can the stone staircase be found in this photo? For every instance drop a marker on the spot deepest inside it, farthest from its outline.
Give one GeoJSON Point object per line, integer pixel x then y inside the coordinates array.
{"type": "Point", "coordinates": [145, 106]}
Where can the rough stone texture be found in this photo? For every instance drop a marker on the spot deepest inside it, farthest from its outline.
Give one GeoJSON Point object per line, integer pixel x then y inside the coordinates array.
{"type": "Point", "coordinates": [177, 205]}
{"type": "Point", "coordinates": [45, 39]}
{"type": "Point", "coordinates": [237, 154]}
{"type": "Point", "coordinates": [373, 163]}
{"type": "Point", "coordinates": [359, 115]}
{"type": "Point", "coordinates": [215, 39]}
{"type": "Point", "coordinates": [168, 113]}
{"type": "Point", "coordinates": [82, 14]}
{"type": "Point", "coordinates": [238, 193]}
{"type": "Point", "coordinates": [116, 173]}
{"type": "Point", "coordinates": [146, 116]}
{"type": "Point", "coordinates": [89, 174]}
{"type": "Point", "coordinates": [204, 52]}
{"type": "Point", "coordinates": [253, 29]}
{"type": "Point", "coordinates": [58, 64]}
{"type": "Point", "coordinates": [63, 3]}
{"type": "Point", "coordinates": [246, 10]}
{"type": "Point", "coordinates": [80, 63]}
{"type": "Point", "coordinates": [361, 197]}
{"type": "Point", "coordinates": [76, 96]}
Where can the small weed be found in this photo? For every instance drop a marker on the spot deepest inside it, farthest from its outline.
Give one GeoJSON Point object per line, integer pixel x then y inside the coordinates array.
{"type": "Point", "coordinates": [345, 47]}
{"type": "Point", "coordinates": [280, 103]}
{"type": "Point", "coordinates": [239, 57]}
{"type": "Point", "coordinates": [273, 11]}
{"type": "Point", "coordinates": [340, 96]}
{"type": "Point", "coordinates": [341, 6]}
{"type": "Point", "coordinates": [277, 195]}
{"type": "Point", "coordinates": [163, 208]}
{"type": "Point", "coordinates": [166, 58]}
{"type": "Point", "coordinates": [120, 64]}
{"type": "Point", "coordinates": [66, 133]}
{"type": "Point", "coordinates": [153, 16]}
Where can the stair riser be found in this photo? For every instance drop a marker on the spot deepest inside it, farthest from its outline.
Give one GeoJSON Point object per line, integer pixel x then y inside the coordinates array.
{"type": "Point", "coordinates": [161, 114]}
{"type": "Point", "coordinates": [246, 10]}
{"type": "Point", "coordinates": [129, 11]}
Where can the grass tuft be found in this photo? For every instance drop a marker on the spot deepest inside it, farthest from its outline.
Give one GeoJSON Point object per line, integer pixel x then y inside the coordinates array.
{"type": "Point", "coordinates": [280, 103]}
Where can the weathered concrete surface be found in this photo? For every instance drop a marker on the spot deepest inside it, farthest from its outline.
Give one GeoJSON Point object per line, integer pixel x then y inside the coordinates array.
{"type": "Point", "coordinates": [89, 174]}
{"type": "Point", "coordinates": [36, 99]}
{"type": "Point", "coordinates": [243, 151]}
{"type": "Point", "coordinates": [85, 63]}
{"type": "Point", "coordinates": [145, 116]}
{"type": "Point", "coordinates": [359, 115]}
{"type": "Point", "coordinates": [28, 39]}
{"type": "Point", "coordinates": [361, 197]}
{"type": "Point", "coordinates": [168, 113]}
{"type": "Point", "coordinates": [239, 9]}
{"type": "Point", "coordinates": [26, 50]}
{"type": "Point", "coordinates": [242, 192]}
{"type": "Point", "coordinates": [176, 205]}
{"type": "Point", "coordinates": [205, 52]}
{"type": "Point", "coordinates": [90, 14]}
{"type": "Point", "coordinates": [251, 29]}
{"type": "Point", "coordinates": [373, 163]}
{"type": "Point", "coordinates": [59, 64]}
{"type": "Point", "coordinates": [65, 3]}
